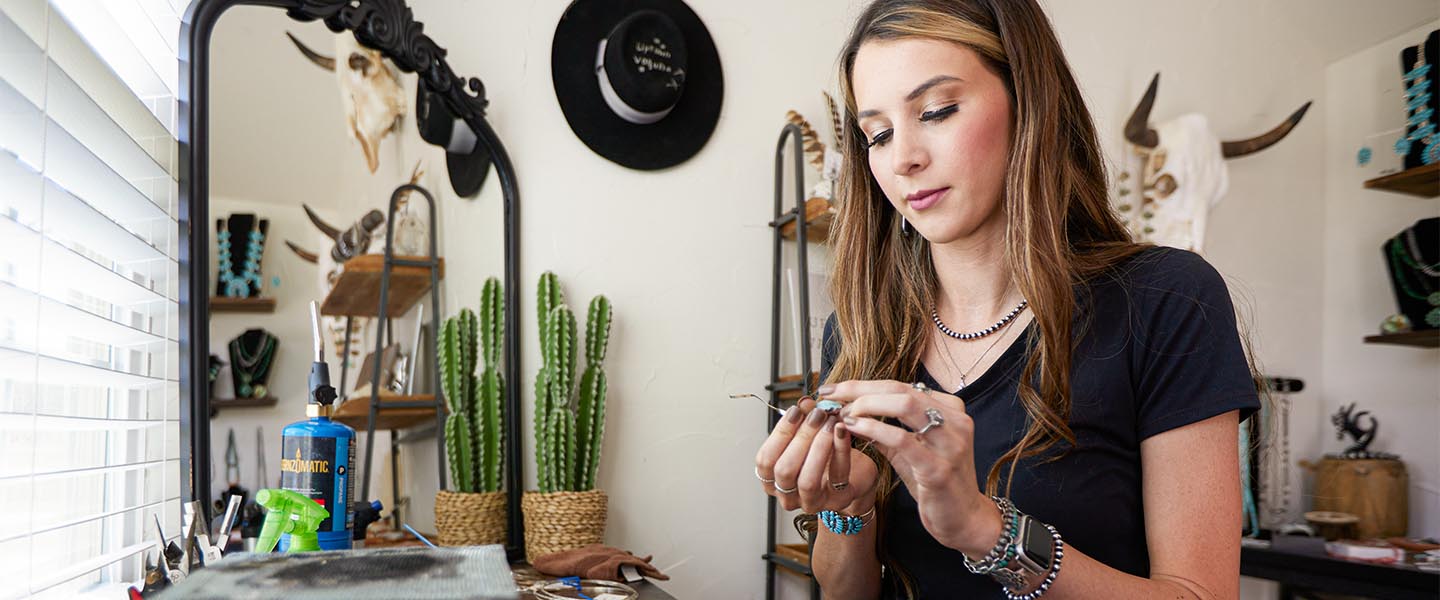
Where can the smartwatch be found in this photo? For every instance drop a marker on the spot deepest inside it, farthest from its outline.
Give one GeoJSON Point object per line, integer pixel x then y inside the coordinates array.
{"type": "Point", "coordinates": [1033, 555]}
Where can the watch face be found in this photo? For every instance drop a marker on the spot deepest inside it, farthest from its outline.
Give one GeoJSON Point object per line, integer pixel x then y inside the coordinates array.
{"type": "Point", "coordinates": [1039, 546]}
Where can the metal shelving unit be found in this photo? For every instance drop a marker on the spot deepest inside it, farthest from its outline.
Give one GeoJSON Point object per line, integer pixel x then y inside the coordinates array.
{"type": "Point", "coordinates": [396, 286]}
{"type": "Point", "coordinates": [783, 388]}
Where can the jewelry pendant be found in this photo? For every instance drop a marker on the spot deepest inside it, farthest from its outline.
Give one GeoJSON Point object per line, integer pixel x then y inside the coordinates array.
{"type": "Point", "coordinates": [1432, 318]}
{"type": "Point", "coordinates": [259, 391]}
{"type": "Point", "coordinates": [1433, 299]}
{"type": "Point", "coordinates": [245, 390]}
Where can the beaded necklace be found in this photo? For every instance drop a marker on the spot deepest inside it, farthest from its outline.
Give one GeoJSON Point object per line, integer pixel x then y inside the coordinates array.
{"type": "Point", "coordinates": [1427, 293]}
{"type": "Point", "coordinates": [1416, 258]}
{"type": "Point", "coordinates": [238, 286]}
{"type": "Point", "coordinates": [1418, 111]}
{"type": "Point", "coordinates": [252, 367]}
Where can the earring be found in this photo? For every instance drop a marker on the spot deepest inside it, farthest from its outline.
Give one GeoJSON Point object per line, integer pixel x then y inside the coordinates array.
{"type": "Point", "coordinates": [904, 225]}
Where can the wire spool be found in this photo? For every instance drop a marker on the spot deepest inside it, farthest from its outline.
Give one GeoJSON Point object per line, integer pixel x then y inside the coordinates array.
{"type": "Point", "coordinates": [1333, 525]}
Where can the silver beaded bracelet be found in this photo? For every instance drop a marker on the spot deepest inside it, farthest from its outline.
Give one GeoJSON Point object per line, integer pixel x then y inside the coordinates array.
{"type": "Point", "coordinates": [1049, 577]}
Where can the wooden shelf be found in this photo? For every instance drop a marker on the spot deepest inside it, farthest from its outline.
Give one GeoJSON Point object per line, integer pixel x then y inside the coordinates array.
{"type": "Point", "coordinates": [1419, 181]}
{"type": "Point", "coordinates": [219, 403]}
{"type": "Point", "coordinates": [355, 412]}
{"type": "Point", "coordinates": [357, 290]}
{"type": "Point", "coordinates": [1425, 338]}
{"type": "Point", "coordinates": [242, 305]}
{"type": "Point", "coordinates": [792, 395]}
{"type": "Point", "coordinates": [798, 553]}
{"type": "Point", "coordinates": [819, 216]}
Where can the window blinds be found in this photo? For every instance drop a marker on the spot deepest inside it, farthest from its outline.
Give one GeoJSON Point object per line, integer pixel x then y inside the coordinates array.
{"type": "Point", "coordinates": [89, 325]}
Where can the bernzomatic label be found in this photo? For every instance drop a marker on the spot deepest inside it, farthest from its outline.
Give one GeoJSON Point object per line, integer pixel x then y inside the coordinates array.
{"type": "Point", "coordinates": [307, 466]}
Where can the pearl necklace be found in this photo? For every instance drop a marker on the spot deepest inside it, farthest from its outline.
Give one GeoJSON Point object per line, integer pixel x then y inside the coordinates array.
{"type": "Point", "coordinates": [935, 316]}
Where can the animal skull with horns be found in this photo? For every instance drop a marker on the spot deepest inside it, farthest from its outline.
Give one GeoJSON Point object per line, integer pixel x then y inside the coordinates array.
{"type": "Point", "coordinates": [369, 89]}
{"type": "Point", "coordinates": [1182, 173]}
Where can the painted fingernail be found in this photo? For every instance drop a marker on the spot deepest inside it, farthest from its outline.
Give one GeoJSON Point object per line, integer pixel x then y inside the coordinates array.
{"type": "Point", "coordinates": [825, 390]}
{"type": "Point", "coordinates": [815, 417]}
{"type": "Point", "coordinates": [841, 432]}
{"type": "Point", "coordinates": [829, 424]}
{"type": "Point", "coordinates": [794, 415]}
{"type": "Point", "coordinates": [849, 420]}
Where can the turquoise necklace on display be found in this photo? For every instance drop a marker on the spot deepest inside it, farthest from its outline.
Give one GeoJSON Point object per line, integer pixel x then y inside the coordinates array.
{"type": "Point", "coordinates": [252, 368]}
{"type": "Point", "coordinates": [1401, 263]}
{"type": "Point", "coordinates": [1418, 112]}
{"type": "Point", "coordinates": [238, 286]}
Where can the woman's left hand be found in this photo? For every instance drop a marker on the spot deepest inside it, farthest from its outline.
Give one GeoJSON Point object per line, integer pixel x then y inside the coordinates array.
{"type": "Point", "coordinates": [938, 467]}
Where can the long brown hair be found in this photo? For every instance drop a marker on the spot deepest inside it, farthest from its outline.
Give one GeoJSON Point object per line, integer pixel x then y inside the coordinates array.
{"type": "Point", "coordinates": [1059, 226]}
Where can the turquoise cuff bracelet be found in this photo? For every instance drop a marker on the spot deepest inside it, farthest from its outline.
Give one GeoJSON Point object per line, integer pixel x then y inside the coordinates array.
{"type": "Point", "coordinates": [844, 524]}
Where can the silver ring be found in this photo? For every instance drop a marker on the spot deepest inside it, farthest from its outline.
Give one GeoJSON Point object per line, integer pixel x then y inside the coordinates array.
{"type": "Point", "coordinates": [920, 386]}
{"type": "Point", "coordinates": [762, 479]}
{"type": "Point", "coordinates": [785, 491]}
{"type": "Point", "coordinates": [936, 420]}
{"type": "Point", "coordinates": [839, 487]}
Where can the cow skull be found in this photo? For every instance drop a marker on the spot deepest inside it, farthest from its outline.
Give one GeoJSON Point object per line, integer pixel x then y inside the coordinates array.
{"type": "Point", "coordinates": [369, 89]}
{"type": "Point", "coordinates": [1181, 173]}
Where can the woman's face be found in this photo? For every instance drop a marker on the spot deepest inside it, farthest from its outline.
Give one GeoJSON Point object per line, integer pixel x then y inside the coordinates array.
{"type": "Point", "coordinates": [937, 124]}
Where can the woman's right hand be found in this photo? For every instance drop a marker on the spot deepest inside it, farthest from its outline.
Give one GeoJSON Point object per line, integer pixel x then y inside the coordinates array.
{"type": "Point", "coordinates": [809, 452]}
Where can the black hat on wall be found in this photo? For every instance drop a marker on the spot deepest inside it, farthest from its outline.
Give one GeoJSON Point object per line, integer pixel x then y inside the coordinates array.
{"type": "Point", "coordinates": [639, 81]}
{"type": "Point", "coordinates": [466, 159]}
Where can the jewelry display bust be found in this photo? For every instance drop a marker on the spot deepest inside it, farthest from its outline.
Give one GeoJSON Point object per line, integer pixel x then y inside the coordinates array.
{"type": "Point", "coordinates": [251, 354]}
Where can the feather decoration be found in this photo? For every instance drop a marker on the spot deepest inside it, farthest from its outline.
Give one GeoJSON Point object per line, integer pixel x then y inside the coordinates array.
{"type": "Point", "coordinates": [834, 116]}
{"type": "Point", "coordinates": [814, 149]}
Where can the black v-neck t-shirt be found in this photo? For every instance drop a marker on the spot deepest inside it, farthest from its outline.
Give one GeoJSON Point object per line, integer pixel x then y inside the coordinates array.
{"type": "Point", "coordinates": [1158, 349]}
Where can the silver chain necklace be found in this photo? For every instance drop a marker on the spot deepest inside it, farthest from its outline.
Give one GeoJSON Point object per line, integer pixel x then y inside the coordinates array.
{"type": "Point", "coordinates": [935, 316]}
{"type": "Point", "coordinates": [964, 375]}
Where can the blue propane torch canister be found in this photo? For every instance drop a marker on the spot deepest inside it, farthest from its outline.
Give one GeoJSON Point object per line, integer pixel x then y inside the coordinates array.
{"type": "Point", "coordinates": [317, 455]}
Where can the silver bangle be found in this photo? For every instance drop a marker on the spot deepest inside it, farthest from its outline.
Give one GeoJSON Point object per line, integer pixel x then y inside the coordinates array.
{"type": "Point", "coordinates": [1049, 577]}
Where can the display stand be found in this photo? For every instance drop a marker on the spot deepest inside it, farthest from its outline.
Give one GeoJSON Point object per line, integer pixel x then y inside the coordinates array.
{"type": "Point", "coordinates": [789, 388]}
{"type": "Point", "coordinates": [386, 287]}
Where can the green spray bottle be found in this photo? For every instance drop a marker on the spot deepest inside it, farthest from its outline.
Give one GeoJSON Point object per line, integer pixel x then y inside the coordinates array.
{"type": "Point", "coordinates": [292, 513]}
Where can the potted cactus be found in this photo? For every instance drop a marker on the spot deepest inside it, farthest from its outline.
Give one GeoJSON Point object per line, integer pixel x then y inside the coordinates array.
{"type": "Point", "coordinates": [472, 511]}
{"type": "Point", "coordinates": [567, 511]}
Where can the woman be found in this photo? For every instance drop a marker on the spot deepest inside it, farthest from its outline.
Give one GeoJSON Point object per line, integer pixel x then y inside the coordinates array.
{"type": "Point", "coordinates": [1040, 405]}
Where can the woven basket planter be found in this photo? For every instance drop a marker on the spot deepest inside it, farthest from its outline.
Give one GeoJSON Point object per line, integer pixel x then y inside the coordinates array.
{"type": "Point", "coordinates": [464, 519]}
{"type": "Point", "coordinates": [561, 521]}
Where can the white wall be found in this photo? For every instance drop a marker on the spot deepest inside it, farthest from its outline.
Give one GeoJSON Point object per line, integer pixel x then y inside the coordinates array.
{"type": "Point", "coordinates": [684, 254]}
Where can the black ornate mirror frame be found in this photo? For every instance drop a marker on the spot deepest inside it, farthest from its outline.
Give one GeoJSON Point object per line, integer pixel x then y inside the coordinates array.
{"type": "Point", "coordinates": [387, 26]}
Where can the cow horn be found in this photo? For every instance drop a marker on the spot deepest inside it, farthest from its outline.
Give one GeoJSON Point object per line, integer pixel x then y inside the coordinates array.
{"type": "Point", "coordinates": [1137, 129]}
{"type": "Point", "coordinates": [1264, 140]}
{"type": "Point", "coordinates": [325, 62]}
{"type": "Point", "coordinates": [324, 227]}
{"type": "Point", "coordinates": [309, 256]}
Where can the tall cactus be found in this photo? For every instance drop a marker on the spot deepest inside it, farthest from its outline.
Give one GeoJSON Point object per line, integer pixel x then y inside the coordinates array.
{"type": "Point", "coordinates": [548, 295]}
{"type": "Point", "coordinates": [472, 431]}
{"type": "Point", "coordinates": [492, 386]}
{"type": "Point", "coordinates": [454, 383]}
{"type": "Point", "coordinates": [590, 429]}
{"type": "Point", "coordinates": [567, 436]}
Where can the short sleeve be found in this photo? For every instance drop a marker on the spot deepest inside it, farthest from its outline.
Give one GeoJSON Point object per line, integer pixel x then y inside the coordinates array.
{"type": "Point", "coordinates": [1190, 363]}
{"type": "Point", "coordinates": [829, 347]}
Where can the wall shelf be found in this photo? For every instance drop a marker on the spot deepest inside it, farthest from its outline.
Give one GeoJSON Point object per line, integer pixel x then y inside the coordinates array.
{"type": "Point", "coordinates": [355, 412]}
{"type": "Point", "coordinates": [1419, 181]}
{"type": "Point", "coordinates": [791, 395]}
{"type": "Point", "coordinates": [219, 403]}
{"type": "Point", "coordinates": [357, 290]}
{"type": "Point", "coordinates": [1425, 338]}
{"type": "Point", "coordinates": [220, 304]}
{"type": "Point", "coordinates": [819, 216]}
